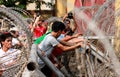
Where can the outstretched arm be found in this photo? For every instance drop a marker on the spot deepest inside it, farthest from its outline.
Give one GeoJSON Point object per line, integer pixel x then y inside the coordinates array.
{"type": "Point", "coordinates": [67, 48]}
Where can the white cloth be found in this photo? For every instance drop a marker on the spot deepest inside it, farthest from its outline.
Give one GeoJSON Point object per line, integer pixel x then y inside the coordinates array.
{"type": "Point", "coordinates": [14, 41]}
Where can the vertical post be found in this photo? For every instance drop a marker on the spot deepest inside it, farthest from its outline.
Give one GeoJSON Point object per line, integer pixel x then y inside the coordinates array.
{"type": "Point", "coordinates": [61, 6]}
{"type": "Point", "coordinates": [50, 65]}
{"type": "Point", "coordinates": [117, 24]}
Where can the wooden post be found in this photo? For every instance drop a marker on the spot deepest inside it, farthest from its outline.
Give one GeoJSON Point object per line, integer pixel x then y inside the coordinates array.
{"type": "Point", "coordinates": [117, 24]}
{"type": "Point", "coordinates": [61, 7]}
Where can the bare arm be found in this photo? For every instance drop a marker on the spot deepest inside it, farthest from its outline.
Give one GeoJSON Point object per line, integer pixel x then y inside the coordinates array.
{"type": "Point", "coordinates": [1, 71]}
{"type": "Point", "coordinates": [66, 48]}
{"type": "Point", "coordinates": [66, 43]}
{"type": "Point", "coordinates": [34, 24]}
{"type": "Point", "coordinates": [67, 37]}
{"type": "Point", "coordinates": [65, 16]}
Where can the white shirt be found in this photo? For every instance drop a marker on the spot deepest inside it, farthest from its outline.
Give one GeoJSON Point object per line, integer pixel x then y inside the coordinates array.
{"type": "Point", "coordinates": [8, 57]}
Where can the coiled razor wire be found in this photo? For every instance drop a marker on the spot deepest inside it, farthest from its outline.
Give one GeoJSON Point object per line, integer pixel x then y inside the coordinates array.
{"type": "Point", "coordinates": [104, 19]}
{"type": "Point", "coordinates": [93, 69]}
{"type": "Point", "coordinates": [24, 12]}
{"type": "Point", "coordinates": [16, 18]}
{"type": "Point", "coordinates": [102, 15]}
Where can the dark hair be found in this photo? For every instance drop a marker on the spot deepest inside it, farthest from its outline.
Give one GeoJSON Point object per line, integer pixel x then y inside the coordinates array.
{"type": "Point", "coordinates": [13, 31]}
{"type": "Point", "coordinates": [57, 25]}
{"type": "Point", "coordinates": [70, 15]}
{"type": "Point", "coordinates": [66, 20]}
{"type": "Point", "coordinates": [4, 36]}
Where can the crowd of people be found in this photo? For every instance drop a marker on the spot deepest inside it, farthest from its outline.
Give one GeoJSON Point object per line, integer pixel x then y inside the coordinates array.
{"type": "Point", "coordinates": [61, 37]}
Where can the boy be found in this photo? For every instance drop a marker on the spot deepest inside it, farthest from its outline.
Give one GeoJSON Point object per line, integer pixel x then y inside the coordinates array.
{"type": "Point", "coordinates": [50, 42]}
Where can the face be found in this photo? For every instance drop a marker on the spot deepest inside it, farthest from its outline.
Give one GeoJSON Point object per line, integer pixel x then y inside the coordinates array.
{"type": "Point", "coordinates": [39, 23]}
{"type": "Point", "coordinates": [68, 24]}
{"type": "Point", "coordinates": [17, 34]}
{"type": "Point", "coordinates": [45, 24]}
{"type": "Point", "coordinates": [35, 15]}
{"type": "Point", "coordinates": [7, 43]}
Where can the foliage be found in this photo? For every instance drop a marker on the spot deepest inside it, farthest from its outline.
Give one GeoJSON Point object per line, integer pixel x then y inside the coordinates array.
{"type": "Point", "coordinates": [22, 3]}
{"type": "Point", "coordinates": [14, 3]}
{"type": "Point", "coordinates": [40, 2]}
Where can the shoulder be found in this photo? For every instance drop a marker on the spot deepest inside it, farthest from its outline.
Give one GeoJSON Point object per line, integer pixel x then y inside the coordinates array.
{"type": "Point", "coordinates": [14, 39]}
{"type": "Point", "coordinates": [1, 51]}
{"type": "Point", "coordinates": [49, 36]}
{"type": "Point", "coordinates": [14, 50]}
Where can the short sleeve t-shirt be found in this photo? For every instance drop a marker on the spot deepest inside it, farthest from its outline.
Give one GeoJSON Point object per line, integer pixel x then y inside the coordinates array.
{"type": "Point", "coordinates": [39, 31]}
{"type": "Point", "coordinates": [9, 56]}
{"type": "Point", "coordinates": [47, 46]}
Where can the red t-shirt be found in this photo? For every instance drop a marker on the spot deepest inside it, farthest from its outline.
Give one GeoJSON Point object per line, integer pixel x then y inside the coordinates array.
{"type": "Point", "coordinates": [39, 31]}
{"type": "Point", "coordinates": [56, 52]}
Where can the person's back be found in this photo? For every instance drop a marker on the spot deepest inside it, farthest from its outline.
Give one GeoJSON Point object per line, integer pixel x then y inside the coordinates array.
{"type": "Point", "coordinates": [49, 42]}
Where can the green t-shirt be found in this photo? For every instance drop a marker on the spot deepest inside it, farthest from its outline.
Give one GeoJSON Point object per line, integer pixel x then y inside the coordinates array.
{"type": "Point", "coordinates": [38, 40]}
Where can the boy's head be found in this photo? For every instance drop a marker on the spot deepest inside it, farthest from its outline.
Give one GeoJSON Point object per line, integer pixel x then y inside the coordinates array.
{"type": "Point", "coordinates": [58, 26]}
{"type": "Point", "coordinates": [6, 39]}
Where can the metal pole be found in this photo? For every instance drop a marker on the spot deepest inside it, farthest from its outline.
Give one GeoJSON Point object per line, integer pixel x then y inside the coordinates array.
{"type": "Point", "coordinates": [50, 64]}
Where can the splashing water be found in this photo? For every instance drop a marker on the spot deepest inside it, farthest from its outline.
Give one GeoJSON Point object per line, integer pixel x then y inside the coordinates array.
{"type": "Point", "coordinates": [93, 26]}
{"type": "Point", "coordinates": [99, 21]}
